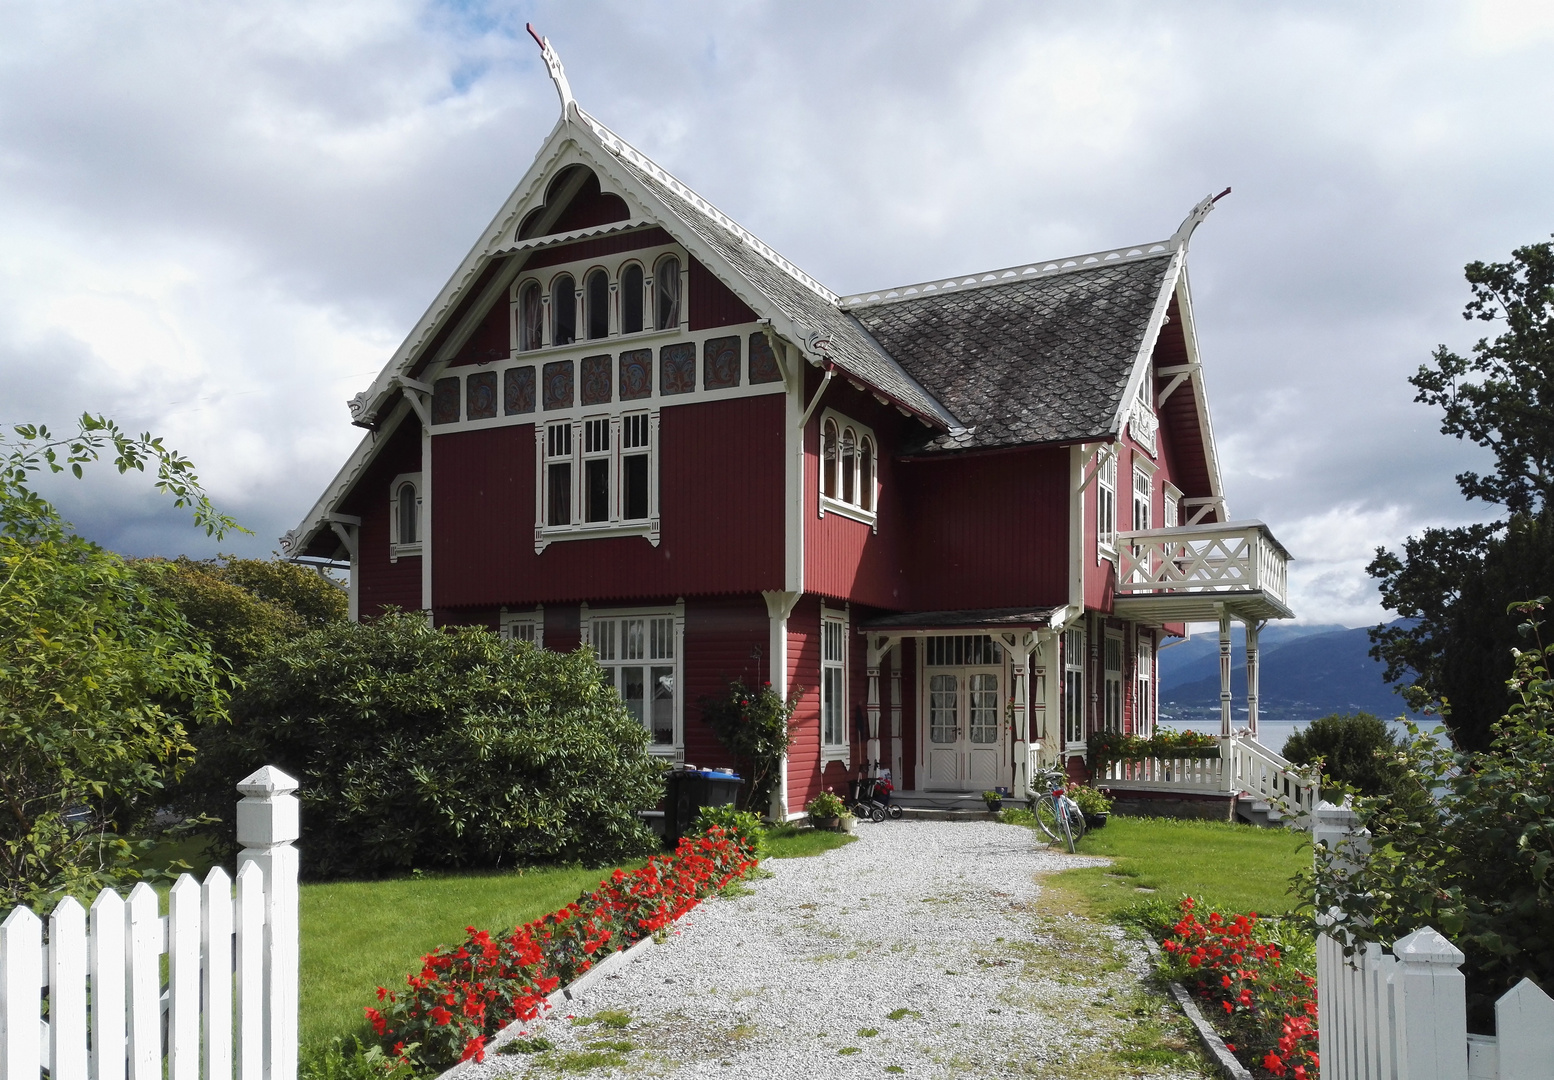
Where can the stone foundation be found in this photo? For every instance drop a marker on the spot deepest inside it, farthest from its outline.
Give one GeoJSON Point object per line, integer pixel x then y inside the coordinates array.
{"type": "Point", "coordinates": [1171, 804]}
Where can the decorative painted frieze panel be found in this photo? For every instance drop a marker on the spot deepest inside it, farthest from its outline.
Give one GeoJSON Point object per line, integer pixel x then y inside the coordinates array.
{"type": "Point", "coordinates": [480, 396]}
{"type": "Point", "coordinates": [558, 384]}
{"type": "Point", "coordinates": [720, 363]}
{"type": "Point", "coordinates": [518, 391]}
{"type": "Point", "coordinates": [763, 361]}
{"type": "Point", "coordinates": [445, 401]}
{"type": "Point", "coordinates": [677, 368]}
{"type": "Point", "coordinates": [636, 374]}
{"type": "Point", "coordinates": [596, 380]}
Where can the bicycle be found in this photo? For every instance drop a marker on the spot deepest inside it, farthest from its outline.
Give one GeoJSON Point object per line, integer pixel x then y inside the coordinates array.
{"type": "Point", "coordinates": [1057, 815]}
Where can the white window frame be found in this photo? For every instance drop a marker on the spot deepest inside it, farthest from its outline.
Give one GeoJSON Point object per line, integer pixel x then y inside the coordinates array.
{"type": "Point", "coordinates": [523, 626]}
{"type": "Point", "coordinates": [1143, 501]}
{"type": "Point", "coordinates": [1144, 704]}
{"type": "Point", "coordinates": [1106, 501]}
{"type": "Point", "coordinates": [616, 524]}
{"type": "Point", "coordinates": [834, 623]}
{"type": "Point", "coordinates": [396, 549]}
{"type": "Point", "coordinates": [619, 616]}
{"type": "Point", "coordinates": [649, 259]}
{"type": "Point", "coordinates": [1074, 697]}
{"type": "Point", "coordinates": [1111, 682]}
{"type": "Point", "coordinates": [1171, 500]}
{"type": "Point", "coordinates": [836, 504]}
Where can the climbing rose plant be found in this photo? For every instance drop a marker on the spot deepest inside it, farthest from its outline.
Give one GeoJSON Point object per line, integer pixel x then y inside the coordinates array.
{"type": "Point", "coordinates": [1268, 1009]}
{"type": "Point", "coordinates": [464, 994]}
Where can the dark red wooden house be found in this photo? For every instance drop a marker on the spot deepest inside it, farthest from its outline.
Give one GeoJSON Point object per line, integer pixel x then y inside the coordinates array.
{"type": "Point", "coordinates": [961, 515]}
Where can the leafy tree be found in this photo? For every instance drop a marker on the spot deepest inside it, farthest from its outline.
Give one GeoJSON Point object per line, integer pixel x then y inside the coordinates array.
{"type": "Point", "coordinates": [422, 748]}
{"type": "Point", "coordinates": [1453, 585]}
{"type": "Point", "coordinates": [100, 680]}
{"type": "Point", "coordinates": [753, 725]}
{"type": "Point", "coordinates": [1465, 843]}
{"type": "Point", "coordinates": [244, 606]}
{"type": "Point", "coordinates": [1357, 750]}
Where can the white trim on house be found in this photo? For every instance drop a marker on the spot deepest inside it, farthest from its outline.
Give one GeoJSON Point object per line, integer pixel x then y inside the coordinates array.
{"type": "Point", "coordinates": [624, 646]}
{"type": "Point", "coordinates": [834, 632]}
{"type": "Point", "coordinates": [864, 474]}
{"type": "Point", "coordinates": [1074, 697]}
{"type": "Point", "coordinates": [523, 626]}
{"type": "Point", "coordinates": [571, 442]}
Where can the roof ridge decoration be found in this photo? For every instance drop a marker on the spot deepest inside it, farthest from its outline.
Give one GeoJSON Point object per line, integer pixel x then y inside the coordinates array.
{"type": "Point", "coordinates": [558, 74]}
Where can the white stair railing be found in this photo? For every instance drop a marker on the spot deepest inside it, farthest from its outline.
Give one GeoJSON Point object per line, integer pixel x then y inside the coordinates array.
{"type": "Point", "coordinates": [1253, 769]}
{"type": "Point", "coordinates": [101, 969]}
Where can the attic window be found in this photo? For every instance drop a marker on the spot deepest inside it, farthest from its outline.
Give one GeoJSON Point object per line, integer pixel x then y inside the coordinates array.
{"type": "Point", "coordinates": [666, 287]}
{"type": "Point", "coordinates": [563, 310]}
{"type": "Point", "coordinates": [405, 516]}
{"type": "Point", "coordinates": [530, 327]}
{"type": "Point", "coordinates": [631, 299]}
{"type": "Point", "coordinates": [597, 300]}
{"type": "Point", "coordinates": [849, 468]}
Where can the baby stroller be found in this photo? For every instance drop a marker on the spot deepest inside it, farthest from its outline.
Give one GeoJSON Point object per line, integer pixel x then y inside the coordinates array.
{"type": "Point", "coordinates": [871, 797]}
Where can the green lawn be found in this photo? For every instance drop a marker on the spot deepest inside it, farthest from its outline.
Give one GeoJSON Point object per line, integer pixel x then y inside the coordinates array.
{"type": "Point", "coordinates": [357, 936]}
{"type": "Point", "coordinates": [792, 842]}
{"type": "Point", "coordinates": [1236, 867]}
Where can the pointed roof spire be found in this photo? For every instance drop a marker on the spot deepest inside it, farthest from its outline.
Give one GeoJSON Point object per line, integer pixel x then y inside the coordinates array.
{"type": "Point", "coordinates": [1190, 222]}
{"type": "Point", "coordinates": [558, 74]}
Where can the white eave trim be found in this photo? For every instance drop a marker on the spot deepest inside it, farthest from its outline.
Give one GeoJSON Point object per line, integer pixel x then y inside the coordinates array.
{"type": "Point", "coordinates": [297, 540]}
{"type": "Point", "coordinates": [1142, 361]}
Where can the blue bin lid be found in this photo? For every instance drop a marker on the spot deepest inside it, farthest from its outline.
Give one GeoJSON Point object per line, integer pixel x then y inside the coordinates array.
{"type": "Point", "coordinates": [719, 774]}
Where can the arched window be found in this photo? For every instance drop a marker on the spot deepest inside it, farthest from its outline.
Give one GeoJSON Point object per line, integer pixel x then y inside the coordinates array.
{"type": "Point", "coordinates": [529, 330]}
{"type": "Point", "coordinates": [866, 474]}
{"type": "Point", "coordinates": [828, 459]}
{"type": "Point", "coordinates": [563, 311]}
{"type": "Point", "coordinates": [597, 299]}
{"type": "Point", "coordinates": [666, 285]}
{"type": "Point", "coordinates": [849, 466]}
{"type": "Point", "coordinates": [408, 528]}
{"type": "Point", "coordinates": [631, 299]}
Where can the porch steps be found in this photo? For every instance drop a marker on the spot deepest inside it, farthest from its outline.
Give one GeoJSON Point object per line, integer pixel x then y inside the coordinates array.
{"type": "Point", "coordinates": [1255, 811]}
{"type": "Point", "coordinates": [941, 806]}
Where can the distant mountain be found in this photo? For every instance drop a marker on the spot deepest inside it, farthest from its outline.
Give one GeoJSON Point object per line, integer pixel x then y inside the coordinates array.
{"type": "Point", "coordinates": [1306, 672]}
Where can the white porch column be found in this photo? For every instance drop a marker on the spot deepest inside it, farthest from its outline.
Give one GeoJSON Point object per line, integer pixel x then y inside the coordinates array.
{"type": "Point", "coordinates": [1252, 628]}
{"type": "Point", "coordinates": [895, 713]}
{"type": "Point", "coordinates": [1224, 673]}
{"type": "Point", "coordinates": [779, 605]}
{"type": "Point", "coordinates": [1019, 663]}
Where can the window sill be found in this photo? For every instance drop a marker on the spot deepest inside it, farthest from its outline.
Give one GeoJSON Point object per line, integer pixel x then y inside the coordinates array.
{"type": "Point", "coordinates": [829, 754]}
{"type": "Point", "coordinates": [595, 343]}
{"type": "Point", "coordinates": [828, 505]}
{"type": "Point", "coordinates": [399, 551]}
{"type": "Point", "coordinates": [545, 535]}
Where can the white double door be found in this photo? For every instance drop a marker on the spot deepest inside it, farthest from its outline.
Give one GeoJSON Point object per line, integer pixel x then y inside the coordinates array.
{"type": "Point", "coordinates": [964, 714]}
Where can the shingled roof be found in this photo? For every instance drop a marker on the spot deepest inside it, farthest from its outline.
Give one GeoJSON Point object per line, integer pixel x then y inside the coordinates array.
{"type": "Point", "coordinates": [1026, 361]}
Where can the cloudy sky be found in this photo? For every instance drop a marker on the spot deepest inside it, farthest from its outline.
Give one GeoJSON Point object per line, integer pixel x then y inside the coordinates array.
{"type": "Point", "coordinates": [218, 220]}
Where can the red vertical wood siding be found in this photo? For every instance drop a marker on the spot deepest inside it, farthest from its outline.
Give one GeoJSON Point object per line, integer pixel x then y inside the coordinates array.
{"type": "Point", "coordinates": [590, 207]}
{"type": "Point", "coordinates": [598, 247]}
{"type": "Point", "coordinates": [909, 725]}
{"type": "Point", "coordinates": [563, 627]}
{"type": "Point", "coordinates": [726, 638]}
{"type": "Point", "coordinates": [383, 583]}
{"type": "Point", "coordinates": [988, 530]}
{"type": "Point", "coordinates": [804, 673]}
{"type": "Point", "coordinates": [714, 303]}
{"type": "Point", "coordinates": [720, 483]}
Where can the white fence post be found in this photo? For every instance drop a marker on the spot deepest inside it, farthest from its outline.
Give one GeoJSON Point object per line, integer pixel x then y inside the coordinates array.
{"type": "Point", "coordinates": [267, 824]}
{"type": "Point", "coordinates": [21, 981]}
{"type": "Point", "coordinates": [67, 991]}
{"type": "Point", "coordinates": [1430, 1000]}
{"type": "Point", "coordinates": [1524, 1023]}
{"type": "Point", "coordinates": [105, 960]}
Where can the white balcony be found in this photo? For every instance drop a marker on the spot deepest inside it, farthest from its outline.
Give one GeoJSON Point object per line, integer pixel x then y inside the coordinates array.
{"type": "Point", "coordinates": [1196, 572]}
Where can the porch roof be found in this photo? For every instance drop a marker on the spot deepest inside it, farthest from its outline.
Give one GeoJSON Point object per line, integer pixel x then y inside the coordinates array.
{"type": "Point", "coordinates": [1029, 618]}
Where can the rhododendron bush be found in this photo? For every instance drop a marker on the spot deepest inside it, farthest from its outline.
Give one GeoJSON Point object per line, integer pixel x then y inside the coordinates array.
{"type": "Point", "coordinates": [1266, 1009]}
{"type": "Point", "coordinates": [465, 994]}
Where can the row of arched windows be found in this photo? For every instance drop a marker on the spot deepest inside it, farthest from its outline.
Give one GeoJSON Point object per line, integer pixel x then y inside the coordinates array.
{"type": "Point", "coordinates": [645, 303]}
{"type": "Point", "coordinates": [847, 464]}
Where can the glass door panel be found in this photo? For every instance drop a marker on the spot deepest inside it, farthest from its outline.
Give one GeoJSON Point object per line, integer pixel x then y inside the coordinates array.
{"type": "Point", "coordinates": [943, 709]}
{"type": "Point", "coordinates": [983, 710]}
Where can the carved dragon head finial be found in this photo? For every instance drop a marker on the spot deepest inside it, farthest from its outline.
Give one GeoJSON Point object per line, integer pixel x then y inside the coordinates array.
{"type": "Point", "coordinates": [558, 74]}
{"type": "Point", "coordinates": [1191, 221]}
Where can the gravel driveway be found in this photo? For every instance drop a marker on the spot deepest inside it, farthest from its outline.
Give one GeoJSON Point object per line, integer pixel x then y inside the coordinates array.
{"type": "Point", "coordinates": [923, 949]}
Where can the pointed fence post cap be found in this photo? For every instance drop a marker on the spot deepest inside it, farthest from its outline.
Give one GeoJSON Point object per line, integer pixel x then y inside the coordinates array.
{"type": "Point", "coordinates": [268, 781]}
{"type": "Point", "coordinates": [1427, 946]}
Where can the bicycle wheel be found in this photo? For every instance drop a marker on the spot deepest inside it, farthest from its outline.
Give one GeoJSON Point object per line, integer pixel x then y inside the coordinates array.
{"type": "Point", "coordinates": [1046, 810]}
{"type": "Point", "coordinates": [876, 813]}
{"type": "Point", "coordinates": [1076, 822]}
{"type": "Point", "coordinates": [861, 810]}
{"type": "Point", "coordinates": [894, 811]}
{"type": "Point", "coordinates": [1066, 827]}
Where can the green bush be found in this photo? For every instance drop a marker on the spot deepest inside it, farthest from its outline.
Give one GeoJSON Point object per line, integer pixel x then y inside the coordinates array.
{"type": "Point", "coordinates": [823, 807]}
{"type": "Point", "coordinates": [1105, 747]}
{"type": "Point", "coordinates": [745, 827]}
{"type": "Point", "coordinates": [1090, 800]}
{"type": "Point", "coordinates": [753, 725]}
{"type": "Point", "coordinates": [1357, 750]}
{"type": "Point", "coordinates": [1465, 844]}
{"type": "Point", "coordinates": [428, 748]}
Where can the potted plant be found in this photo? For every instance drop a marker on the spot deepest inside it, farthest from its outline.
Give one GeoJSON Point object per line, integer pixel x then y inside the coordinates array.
{"type": "Point", "coordinates": [825, 810]}
{"type": "Point", "coordinates": [1094, 804]}
{"type": "Point", "coordinates": [994, 801]}
{"type": "Point", "coordinates": [847, 822]}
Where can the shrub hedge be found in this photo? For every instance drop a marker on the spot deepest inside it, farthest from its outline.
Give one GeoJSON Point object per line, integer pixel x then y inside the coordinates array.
{"type": "Point", "coordinates": [421, 748]}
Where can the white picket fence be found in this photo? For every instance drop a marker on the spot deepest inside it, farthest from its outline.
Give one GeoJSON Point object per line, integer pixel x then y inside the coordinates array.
{"type": "Point", "coordinates": [1402, 1015]}
{"type": "Point", "coordinates": [231, 994]}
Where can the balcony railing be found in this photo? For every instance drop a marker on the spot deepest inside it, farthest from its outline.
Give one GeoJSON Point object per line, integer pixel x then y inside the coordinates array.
{"type": "Point", "coordinates": [1234, 557]}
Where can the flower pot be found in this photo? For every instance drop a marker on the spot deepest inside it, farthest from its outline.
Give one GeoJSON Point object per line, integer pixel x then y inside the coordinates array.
{"type": "Point", "coordinates": [1095, 821]}
{"type": "Point", "coordinates": [849, 823]}
{"type": "Point", "coordinates": [827, 823]}
{"type": "Point", "coordinates": [994, 805]}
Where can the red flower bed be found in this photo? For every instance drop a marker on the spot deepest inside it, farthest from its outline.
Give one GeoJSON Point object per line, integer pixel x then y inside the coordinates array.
{"type": "Point", "coordinates": [465, 994]}
{"type": "Point", "coordinates": [1268, 1010]}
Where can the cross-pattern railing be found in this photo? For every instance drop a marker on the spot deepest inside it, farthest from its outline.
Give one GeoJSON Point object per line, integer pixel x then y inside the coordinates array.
{"type": "Point", "coordinates": [1238, 556]}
